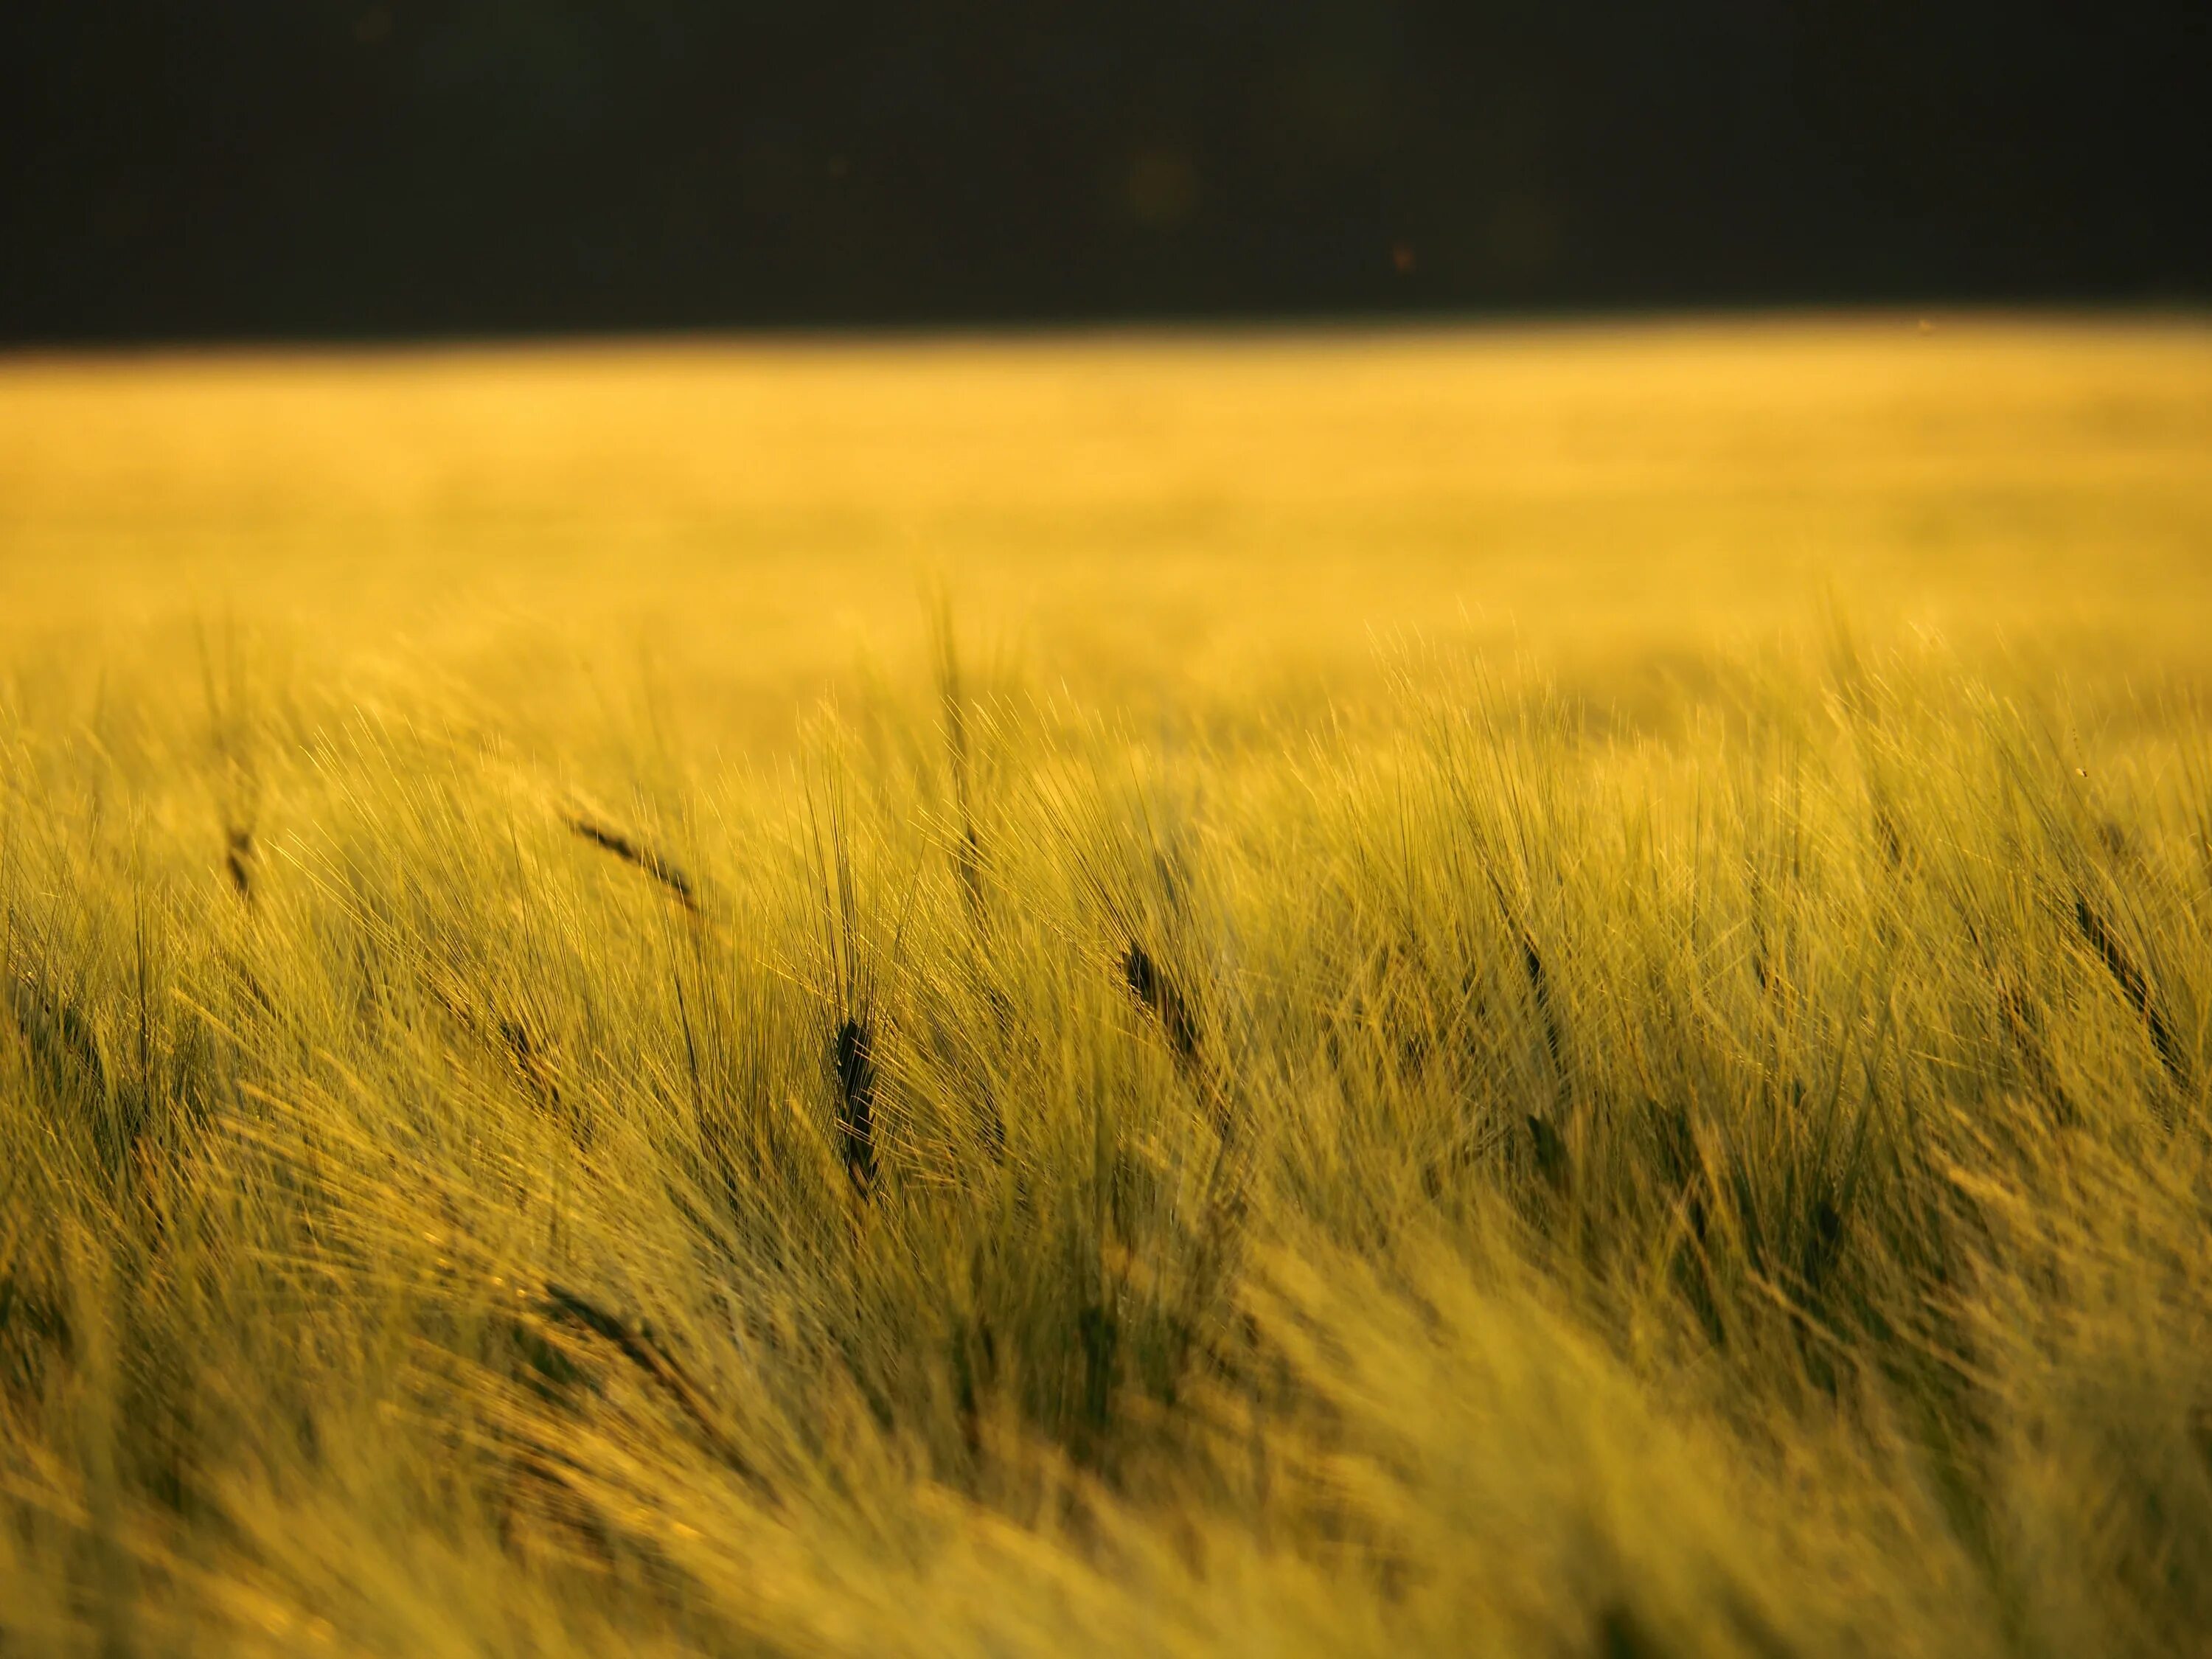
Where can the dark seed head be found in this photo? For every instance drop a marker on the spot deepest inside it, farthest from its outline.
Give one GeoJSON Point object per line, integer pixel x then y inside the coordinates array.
{"type": "Point", "coordinates": [852, 1053]}
{"type": "Point", "coordinates": [638, 855]}
{"type": "Point", "coordinates": [238, 861]}
{"type": "Point", "coordinates": [1151, 986]}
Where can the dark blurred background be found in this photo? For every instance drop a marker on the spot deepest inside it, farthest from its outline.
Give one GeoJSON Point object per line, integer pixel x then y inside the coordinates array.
{"type": "Point", "coordinates": [183, 169]}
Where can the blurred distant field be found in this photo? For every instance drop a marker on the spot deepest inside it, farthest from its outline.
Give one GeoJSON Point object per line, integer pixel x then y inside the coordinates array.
{"type": "Point", "coordinates": [1539, 992]}
{"type": "Point", "coordinates": [1190, 519]}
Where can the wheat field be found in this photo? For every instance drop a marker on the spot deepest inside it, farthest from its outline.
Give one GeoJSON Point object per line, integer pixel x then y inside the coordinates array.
{"type": "Point", "coordinates": [1539, 991]}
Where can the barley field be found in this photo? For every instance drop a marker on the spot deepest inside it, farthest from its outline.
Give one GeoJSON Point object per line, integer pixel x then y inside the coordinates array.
{"type": "Point", "coordinates": [1539, 991]}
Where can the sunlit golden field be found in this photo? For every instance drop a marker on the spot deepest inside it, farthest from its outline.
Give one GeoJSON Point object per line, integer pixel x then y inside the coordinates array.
{"type": "Point", "coordinates": [1198, 521]}
{"type": "Point", "coordinates": [1535, 991]}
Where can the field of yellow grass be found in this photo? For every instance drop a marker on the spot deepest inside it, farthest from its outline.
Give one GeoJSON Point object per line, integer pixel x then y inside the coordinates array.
{"type": "Point", "coordinates": [1538, 991]}
{"type": "Point", "coordinates": [1202, 519]}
